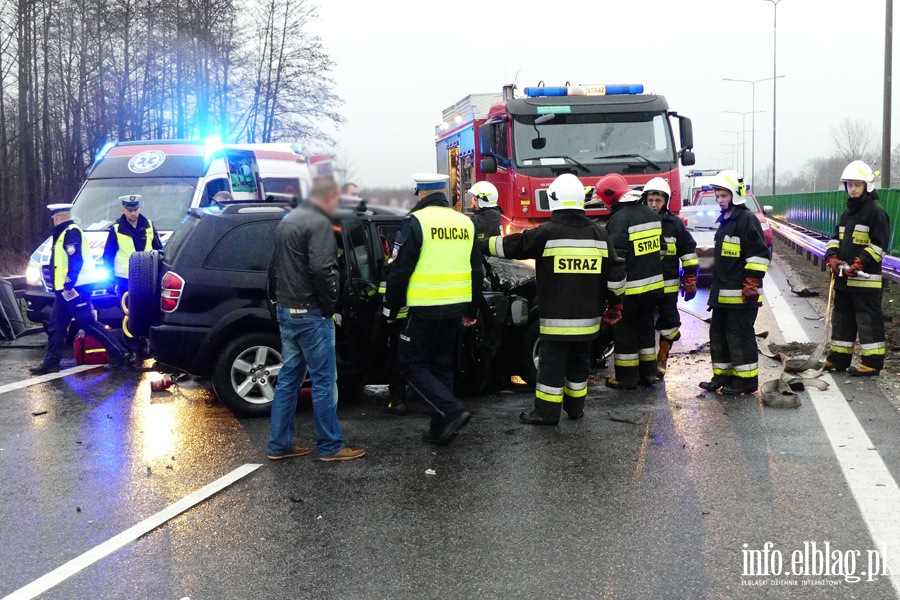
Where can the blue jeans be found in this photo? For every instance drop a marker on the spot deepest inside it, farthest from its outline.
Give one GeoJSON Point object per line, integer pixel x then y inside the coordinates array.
{"type": "Point", "coordinates": [307, 342]}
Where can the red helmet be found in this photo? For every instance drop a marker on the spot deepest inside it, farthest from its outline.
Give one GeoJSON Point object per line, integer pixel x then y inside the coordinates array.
{"type": "Point", "coordinates": [611, 188]}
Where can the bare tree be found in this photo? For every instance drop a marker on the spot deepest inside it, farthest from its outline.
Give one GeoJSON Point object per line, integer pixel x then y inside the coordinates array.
{"type": "Point", "coordinates": [853, 139]}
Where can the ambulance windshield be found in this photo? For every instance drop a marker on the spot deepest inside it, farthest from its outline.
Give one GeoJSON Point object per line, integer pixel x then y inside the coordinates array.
{"type": "Point", "coordinates": [165, 201]}
{"type": "Point", "coordinates": [595, 139]}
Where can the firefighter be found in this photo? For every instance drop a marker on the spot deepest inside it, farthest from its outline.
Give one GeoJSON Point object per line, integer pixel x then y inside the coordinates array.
{"type": "Point", "coordinates": [858, 246]}
{"type": "Point", "coordinates": [437, 273]}
{"type": "Point", "coordinates": [132, 232]}
{"type": "Point", "coordinates": [487, 214]}
{"type": "Point", "coordinates": [679, 247]}
{"type": "Point", "coordinates": [74, 275]}
{"type": "Point", "coordinates": [636, 233]}
{"type": "Point", "coordinates": [574, 261]}
{"type": "Point", "coordinates": [742, 260]}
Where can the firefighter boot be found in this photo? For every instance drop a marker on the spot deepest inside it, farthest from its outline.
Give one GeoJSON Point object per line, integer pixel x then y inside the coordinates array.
{"type": "Point", "coordinates": [717, 382]}
{"type": "Point", "coordinates": [574, 407]}
{"type": "Point", "coordinates": [862, 370]}
{"type": "Point", "coordinates": [544, 413]}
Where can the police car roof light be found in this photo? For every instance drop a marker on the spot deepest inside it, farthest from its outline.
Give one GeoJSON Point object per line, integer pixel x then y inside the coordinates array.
{"type": "Point", "coordinates": [104, 150]}
{"type": "Point", "coordinates": [585, 90]}
{"type": "Point", "coordinates": [212, 144]}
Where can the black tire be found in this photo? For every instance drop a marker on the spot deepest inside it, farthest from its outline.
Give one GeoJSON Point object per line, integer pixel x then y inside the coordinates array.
{"type": "Point", "coordinates": [528, 353]}
{"type": "Point", "coordinates": [143, 292]}
{"type": "Point", "coordinates": [234, 383]}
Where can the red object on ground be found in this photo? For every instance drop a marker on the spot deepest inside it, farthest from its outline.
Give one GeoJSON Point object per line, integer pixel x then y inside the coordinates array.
{"type": "Point", "coordinates": [89, 350]}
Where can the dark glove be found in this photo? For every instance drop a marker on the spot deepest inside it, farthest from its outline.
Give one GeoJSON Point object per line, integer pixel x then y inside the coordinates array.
{"type": "Point", "coordinates": [855, 268]}
{"type": "Point", "coordinates": [689, 287]}
{"type": "Point", "coordinates": [834, 263]}
{"type": "Point", "coordinates": [750, 293]}
{"type": "Point", "coordinates": [613, 315]}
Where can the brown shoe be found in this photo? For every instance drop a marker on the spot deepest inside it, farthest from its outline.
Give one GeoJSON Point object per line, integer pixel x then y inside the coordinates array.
{"type": "Point", "coordinates": [344, 454]}
{"type": "Point", "coordinates": [295, 451]}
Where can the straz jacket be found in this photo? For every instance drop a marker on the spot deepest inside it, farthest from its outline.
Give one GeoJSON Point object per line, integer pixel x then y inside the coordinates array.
{"type": "Point", "coordinates": [741, 253]}
{"type": "Point", "coordinates": [637, 235]}
{"type": "Point", "coordinates": [574, 261]}
{"type": "Point", "coordinates": [864, 232]}
{"type": "Point", "coordinates": [679, 246]}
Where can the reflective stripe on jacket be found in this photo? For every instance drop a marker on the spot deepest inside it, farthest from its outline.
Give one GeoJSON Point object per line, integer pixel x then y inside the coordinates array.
{"type": "Point", "coordinates": [125, 248]}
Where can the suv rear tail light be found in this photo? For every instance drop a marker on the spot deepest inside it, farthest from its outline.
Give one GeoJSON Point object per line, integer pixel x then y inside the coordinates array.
{"type": "Point", "coordinates": [172, 288]}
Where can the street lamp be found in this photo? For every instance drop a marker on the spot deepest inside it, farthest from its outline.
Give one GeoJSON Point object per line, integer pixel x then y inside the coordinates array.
{"type": "Point", "coordinates": [774, 86]}
{"type": "Point", "coordinates": [744, 128]}
{"type": "Point", "coordinates": [732, 155]}
{"type": "Point", "coordinates": [753, 83]}
{"type": "Point", "coordinates": [737, 144]}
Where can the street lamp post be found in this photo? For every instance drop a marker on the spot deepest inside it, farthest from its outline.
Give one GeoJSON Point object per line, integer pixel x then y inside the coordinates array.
{"type": "Point", "coordinates": [744, 128]}
{"type": "Point", "coordinates": [753, 83]}
{"type": "Point", "coordinates": [774, 87]}
{"type": "Point", "coordinates": [732, 154]}
{"type": "Point", "coordinates": [737, 145]}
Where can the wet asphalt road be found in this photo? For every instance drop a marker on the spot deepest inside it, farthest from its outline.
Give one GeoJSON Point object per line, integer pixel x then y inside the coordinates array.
{"type": "Point", "coordinates": [659, 507]}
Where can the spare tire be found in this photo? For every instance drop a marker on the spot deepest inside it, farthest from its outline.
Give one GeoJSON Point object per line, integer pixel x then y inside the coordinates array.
{"type": "Point", "coordinates": [143, 292]}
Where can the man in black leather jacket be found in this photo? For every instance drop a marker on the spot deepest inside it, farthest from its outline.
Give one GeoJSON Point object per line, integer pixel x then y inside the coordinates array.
{"type": "Point", "coordinates": [306, 294]}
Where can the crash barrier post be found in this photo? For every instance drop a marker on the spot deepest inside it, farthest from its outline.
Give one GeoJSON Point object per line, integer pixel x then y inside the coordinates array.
{"type": "Point", "coordinates": [821, 211]}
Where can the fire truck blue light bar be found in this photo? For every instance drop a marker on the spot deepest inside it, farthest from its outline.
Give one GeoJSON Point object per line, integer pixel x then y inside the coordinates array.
{"type": "Point", "coordinates": [584, 90]}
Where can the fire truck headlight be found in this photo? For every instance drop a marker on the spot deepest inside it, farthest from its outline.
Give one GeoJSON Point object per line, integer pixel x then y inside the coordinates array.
{"type": "Point", "coordinates": [33, 273]}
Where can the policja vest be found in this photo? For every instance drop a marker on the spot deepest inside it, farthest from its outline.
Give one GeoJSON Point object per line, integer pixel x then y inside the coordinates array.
{"type": "Point", "coordinates": [126, 248]}
{"type": "Point", "coordinates": [88, 273]}
{"type": "Point", "coordinates": [443, 273]}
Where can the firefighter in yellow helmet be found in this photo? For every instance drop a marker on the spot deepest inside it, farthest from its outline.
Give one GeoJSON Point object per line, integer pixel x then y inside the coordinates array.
{"type": "Point", "coordinates": [487, 213]}
{"type": "Point", "coordinates": [854, 256]}
{"type": "Point", "coordinates": [574, 262]}
{"type": "Point", "coordinates": [437, 273]}
{"type": "Point", "coordinates": [679, 247]}
{"type": "Point", "coordinates": [742, 260]}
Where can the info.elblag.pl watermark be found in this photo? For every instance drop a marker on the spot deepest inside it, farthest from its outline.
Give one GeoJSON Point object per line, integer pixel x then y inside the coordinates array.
{"type": "Point", "coordinates": [812, 564]}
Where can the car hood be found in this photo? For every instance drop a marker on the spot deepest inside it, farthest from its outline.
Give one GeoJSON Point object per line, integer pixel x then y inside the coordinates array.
{"type": "Point", "coordinates": [512, 273]}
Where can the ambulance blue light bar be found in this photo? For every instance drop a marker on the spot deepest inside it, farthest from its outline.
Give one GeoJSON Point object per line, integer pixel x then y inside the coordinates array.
{"type": "Point", "coordinates": [104, 150]}
{"type": "Point", "coordinates": [584, 90]}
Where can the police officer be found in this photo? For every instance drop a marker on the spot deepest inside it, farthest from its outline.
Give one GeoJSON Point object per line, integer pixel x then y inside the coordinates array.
{"type": "Point", "coordinates": [680, 247]}
{"type": "Point", "coordinates": [132, 232]}
{"type": "Point", "coordinates": [437, 273]}
{"type": "Point", "coordinates": [74, 274]}
{"type": "Point", "coordinates": [742, 260]}
{"type": "Point", "coordinates": [487, 214]}
{"type": "Point", "coordinates": [858, 246]}
{"type": "Point", "coordinates": [636, 233]}
{"type": "Point", "coordinates": [396, 404]}
{"type": "Point", "coordinates": [574, 261]}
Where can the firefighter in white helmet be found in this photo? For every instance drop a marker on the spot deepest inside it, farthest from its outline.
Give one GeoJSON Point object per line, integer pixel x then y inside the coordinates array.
{"type": "Point", "coordinates": [487, 214]}
{"type": "Point", "coordinates": [859, 244]}
{"type": "Point", "coordinates": [574, 261]}
{"type": "Point", "coordinates": [742, 260]}
{"type": "Point", "coordinates": [636, 233]}
{"type": "Point", "coordinates": [679, 247]}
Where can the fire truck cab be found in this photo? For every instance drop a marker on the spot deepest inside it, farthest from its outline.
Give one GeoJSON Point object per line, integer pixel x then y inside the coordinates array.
{"type": "Point", "coordinates": [520, 144]}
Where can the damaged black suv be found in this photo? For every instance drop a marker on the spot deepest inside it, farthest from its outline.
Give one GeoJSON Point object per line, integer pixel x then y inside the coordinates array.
{"type": "Point", "coordinates": [205, 303]}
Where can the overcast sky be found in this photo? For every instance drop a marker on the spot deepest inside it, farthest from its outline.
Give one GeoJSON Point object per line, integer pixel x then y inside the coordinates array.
{"type": "Point", "coordinates": [400, 63]}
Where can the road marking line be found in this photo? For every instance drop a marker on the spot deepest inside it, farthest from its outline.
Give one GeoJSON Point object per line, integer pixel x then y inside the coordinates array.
{"type": "Point", "coordinates": [871, 483]}
{"type": "Point", "coordinates": [60, 574]}
{"type": "Point", "coordinates": [11, 387]}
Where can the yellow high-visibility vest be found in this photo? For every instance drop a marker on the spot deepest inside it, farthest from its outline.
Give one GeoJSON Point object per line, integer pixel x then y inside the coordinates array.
{"type": "Point", "coordinates": [443, 275]}
{"type": "Point", "coordinates": [88, 272]}
{"type": "Point", "coordinates": [126, 249]}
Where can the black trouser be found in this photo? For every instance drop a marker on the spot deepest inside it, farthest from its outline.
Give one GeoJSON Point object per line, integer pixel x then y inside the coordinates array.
{"type": "Point", "coordinates": [635, 355]}
{"type": "Point", "coordinates": [668, 319]}
{"type": "Point", "coordinates": [425, 354]}
{"type": "Point", "coordinates": [562, 376]}
{"type": "Point", "coordinates": [80, 309]}
{"type": "Point", "coordinates": [395, 377]}
{"type": "Point", "coordinates": [732, 345]}
{"type": "Point", "coordinates": [857, 313]}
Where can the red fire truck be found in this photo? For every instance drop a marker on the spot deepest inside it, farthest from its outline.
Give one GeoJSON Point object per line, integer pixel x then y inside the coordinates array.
{"type": "Point", "coordinates": [520, 144]}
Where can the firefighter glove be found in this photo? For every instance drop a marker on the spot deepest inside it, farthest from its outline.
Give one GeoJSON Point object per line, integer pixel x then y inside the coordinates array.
{"type": "Point", "coordinates": [855, 268]}
{"type": "Point", "coordinates": [613, 315]}
{"type": "Point", "coordinates": [834, 263]}
{"type": "Point", "coordinates": [689, 286]}
{"type": "Point", "coordinates": [750, 293]}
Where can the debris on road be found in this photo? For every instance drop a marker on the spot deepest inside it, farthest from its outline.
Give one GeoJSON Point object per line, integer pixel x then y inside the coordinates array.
{"type": "Point", "coordinates": [77, 509]}
{"type": "Point", "coordinates": [149, 471]}
{"type": "Point", "coordinates": [38, 413]}
{"type": "Point", "coordinates": [296, 500]}
{"type": "Point", "coordinates": [641, 418]}
{"type": "Point", "coordinates": [430, 472]}
{"type": "Point", "coordinates": [807, 292]}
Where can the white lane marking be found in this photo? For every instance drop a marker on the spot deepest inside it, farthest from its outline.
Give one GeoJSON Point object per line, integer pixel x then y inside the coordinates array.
{"type": "Point", "coordinates": [58, 575]}
{"type": "Point", "coordinates": [11, 387]}
{"type": "Point", "coordinates": [871, 483]}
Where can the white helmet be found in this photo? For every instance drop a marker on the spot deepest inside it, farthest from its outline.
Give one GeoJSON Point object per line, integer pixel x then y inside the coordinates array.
{"type": "Point", "coordinates": [631, 196]}
{"type": "Point", "coordinates": [734, 183]}
{"type": "Point", "coordinates": [658, 184]}
{"type": "Point", "coordinates": [485, 193]}
{"type": "Point", "coordinates": [566, 191]}
{"type": "Point", "coordinates": [859, 171]}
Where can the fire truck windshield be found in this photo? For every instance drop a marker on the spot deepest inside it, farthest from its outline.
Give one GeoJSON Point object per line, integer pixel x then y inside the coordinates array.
{"type": "Point", "coordinates": [641, 139]}
{"type": "Point", "coordinates": [165, 201]}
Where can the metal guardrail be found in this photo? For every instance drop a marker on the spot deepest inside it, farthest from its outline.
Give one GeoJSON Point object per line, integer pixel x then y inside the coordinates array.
{"type": "Point", "coordinates": [813, 245]}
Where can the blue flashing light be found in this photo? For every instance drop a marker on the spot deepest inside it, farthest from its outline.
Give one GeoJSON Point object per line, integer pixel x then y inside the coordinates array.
{"type": "Point", "coordinates": [213, 145]}
{"type": "Point", "coordinates": [621, 90]}
{"type": "Point", "coordinates": [585, 90]}
{"type": "Point", "coordinates": [536, 92]}
{"type": "Point", "coordinates": [707, 188]}
{"type": "Point", "coordinates": [104, 151]}
{"type": "Point", "coordinates": [103, 274]}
